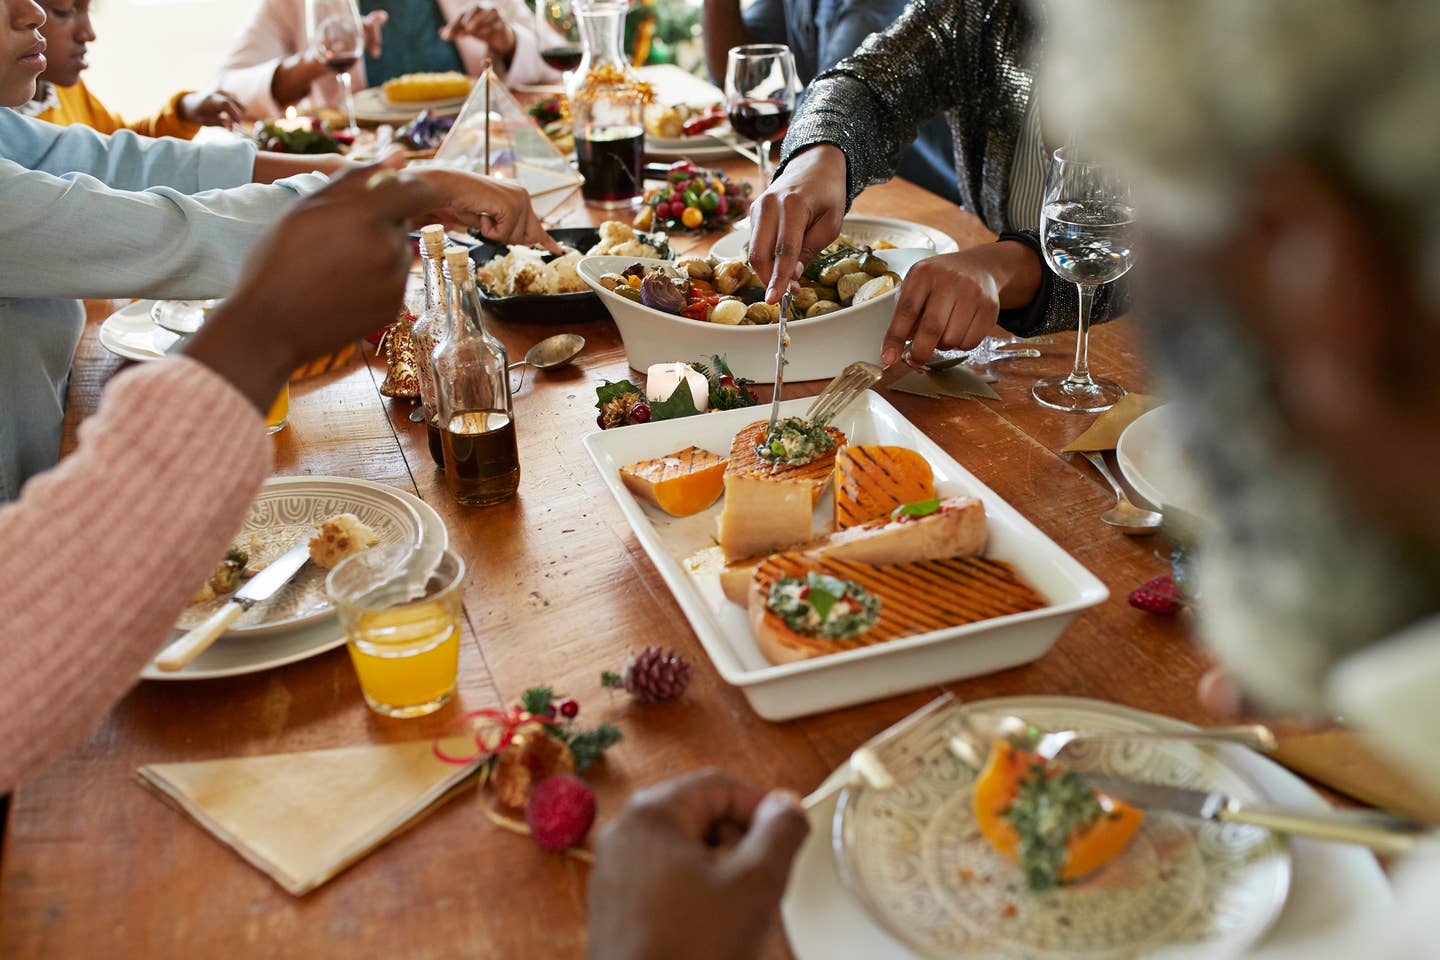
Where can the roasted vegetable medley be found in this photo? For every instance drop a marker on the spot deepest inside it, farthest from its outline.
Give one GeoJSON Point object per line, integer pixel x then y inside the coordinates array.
{"type": "Point", "coordinates": [728, 291]}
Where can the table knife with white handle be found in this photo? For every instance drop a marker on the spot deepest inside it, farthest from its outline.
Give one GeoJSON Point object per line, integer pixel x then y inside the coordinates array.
{"type": "Point", "coordinates": [262, 586]}
{"type": "Point", "coordinates": [1380, 831]}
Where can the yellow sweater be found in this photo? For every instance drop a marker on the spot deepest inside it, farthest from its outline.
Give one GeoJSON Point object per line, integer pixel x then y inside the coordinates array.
{"type": "Point", "coordinates": [77, 105]}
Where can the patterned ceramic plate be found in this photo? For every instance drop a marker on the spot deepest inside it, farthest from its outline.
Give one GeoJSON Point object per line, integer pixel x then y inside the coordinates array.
{"type": "Point", "coordinates": [130, 332]}
{"type": "Point", "coordinates": [286, 510]}
{"type": "Point", "coordinates": [181, 316]}
{"type": "Point", "coordinates": [901, 234]}
{"type": "Point", "coordinates": [914, 856]}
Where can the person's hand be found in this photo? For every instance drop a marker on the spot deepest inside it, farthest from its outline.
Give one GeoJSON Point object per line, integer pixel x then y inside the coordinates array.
{"type": "Point", "coordinates": [483, 22]}
{"type": "Point", "coordinates": [374, 23]}
{"type": "Point", "coordinates": [797, 217]}
{"type": "Point", "coordinates": [693, 868]}
{"type": "Point", "coordinates": [214, 109]}
{"type": "Point", "coordinates": [332, 270]}
{"type": "Point", "coordinates": [499, 209]}
{"type": "Point", "coordinates": [953, 300]}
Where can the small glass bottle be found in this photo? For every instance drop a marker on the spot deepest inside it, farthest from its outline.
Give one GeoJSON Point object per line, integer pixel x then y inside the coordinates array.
{"type": "Point", "coordinates": [606, 104]}
{"type": "Point", "coordinates": [472, 388]}
{"type": "Point", "coordinates": [429, 330]}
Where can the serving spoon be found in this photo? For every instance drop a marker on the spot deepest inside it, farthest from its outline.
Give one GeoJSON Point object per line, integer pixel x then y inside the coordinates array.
{"type": "Point", "coordinates": [552, 352]}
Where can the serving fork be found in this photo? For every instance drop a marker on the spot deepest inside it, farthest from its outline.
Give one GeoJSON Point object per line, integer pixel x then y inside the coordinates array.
{"type": "Point", "coordinates": [782, 340]}
{"type": "Point", "coordinates": [983, 729]}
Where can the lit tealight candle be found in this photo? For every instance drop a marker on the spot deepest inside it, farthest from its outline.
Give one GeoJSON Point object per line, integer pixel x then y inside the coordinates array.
{"type": "Point", "coordinates": [662, 379]}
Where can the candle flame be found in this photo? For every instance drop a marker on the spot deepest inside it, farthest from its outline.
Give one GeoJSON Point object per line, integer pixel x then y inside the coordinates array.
{"type": "Point", "coordinates": [290, 113]}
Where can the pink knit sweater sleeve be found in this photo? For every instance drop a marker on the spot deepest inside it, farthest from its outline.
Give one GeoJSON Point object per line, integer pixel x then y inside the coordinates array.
{"type": "Point", "coordinates": [99, 555]}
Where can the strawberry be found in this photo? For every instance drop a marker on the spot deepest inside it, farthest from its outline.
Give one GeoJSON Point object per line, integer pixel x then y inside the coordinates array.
{"type": "Point", "coordinates": [1159, 595]}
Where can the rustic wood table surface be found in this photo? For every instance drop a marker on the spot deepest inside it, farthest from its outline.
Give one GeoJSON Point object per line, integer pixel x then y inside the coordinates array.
{"type": "Point", "coordinates": [558, 590]}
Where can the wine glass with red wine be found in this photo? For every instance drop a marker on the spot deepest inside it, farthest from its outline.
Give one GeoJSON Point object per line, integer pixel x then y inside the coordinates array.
{"type": "Point", "coordinates": [558, 31]}
{"type": "Point", "coordinates": [760, 96]}
{"type": "Point", "coordinates": [338, 35]}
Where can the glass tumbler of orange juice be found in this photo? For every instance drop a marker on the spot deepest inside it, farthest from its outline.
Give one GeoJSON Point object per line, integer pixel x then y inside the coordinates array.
{"type": "Point", "coordinates": [279, 414]}
{"type": "Point", "coordinates": [403, 641]}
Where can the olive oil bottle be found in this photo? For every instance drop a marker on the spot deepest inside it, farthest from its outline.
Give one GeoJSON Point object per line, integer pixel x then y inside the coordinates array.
{"type": "Point", "coordinates": [472, 388]}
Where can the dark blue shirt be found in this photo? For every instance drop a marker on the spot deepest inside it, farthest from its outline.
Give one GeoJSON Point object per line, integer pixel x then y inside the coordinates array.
{"type": "Point", "coordinates": [823, 32]}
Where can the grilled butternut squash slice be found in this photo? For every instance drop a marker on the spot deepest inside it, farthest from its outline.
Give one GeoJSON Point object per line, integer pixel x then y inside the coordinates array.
{"type": "Point", "coordinates": [681, 483]}
{"type": "Point", "coordinates": [871, 481]}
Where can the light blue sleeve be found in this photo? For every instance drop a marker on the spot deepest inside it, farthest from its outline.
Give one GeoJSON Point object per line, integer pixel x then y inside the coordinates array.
{"type": "Point", "coordinates": [124, 160]}
{"type": "Point", "coordinates": [74, 237]}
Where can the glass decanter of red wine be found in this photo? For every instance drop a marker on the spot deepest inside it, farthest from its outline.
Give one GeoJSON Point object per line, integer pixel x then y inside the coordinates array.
{"type": "Point", "coordinates": [606, 104]}
{"type": "Point", "coordinates": [760, 96]}
{"type": "Point", "coordinates": [338, 36]}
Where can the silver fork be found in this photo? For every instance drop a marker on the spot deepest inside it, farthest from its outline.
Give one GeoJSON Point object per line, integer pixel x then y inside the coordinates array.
{"type": "Point", "coordinates": [983, 729]}
{"type": "Point", "coordinates": [852, 381]}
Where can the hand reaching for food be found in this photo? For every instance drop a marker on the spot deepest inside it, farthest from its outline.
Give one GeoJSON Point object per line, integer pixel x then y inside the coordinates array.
{"type": "Point", "coordinates": [796, 218]}
{"type": "Point", "coordinates": [693, 868]}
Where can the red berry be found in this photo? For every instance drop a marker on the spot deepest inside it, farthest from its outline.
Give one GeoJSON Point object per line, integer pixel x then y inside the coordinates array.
{"type": "Point", "coordinates": [727, 381]}
{"type": "Point", "coordinates": [560, 812]}
{"type": "Point", "coordinates": [1158, 596]}
{"type": "Point", "coordinates": [569, 708]}
{"type": "Point", "coordinates": [723, 206]}
{"type": "Point", "coordinates": [677, 198]}
{"type": "Point", "coordinates": [600, 419]}
{"type": "Point", "coordinates": [640, 413]}
{"type": "Point", "coordinates": [275, 145]}
{"type": "Point", "coordinates": [753, 397]}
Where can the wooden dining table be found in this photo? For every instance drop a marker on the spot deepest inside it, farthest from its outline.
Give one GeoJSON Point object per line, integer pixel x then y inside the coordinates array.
{"type": "Point", "coordinates": [558, 589]}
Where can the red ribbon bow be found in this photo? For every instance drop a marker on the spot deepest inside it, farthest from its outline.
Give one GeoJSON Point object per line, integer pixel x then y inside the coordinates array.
{"type": "Point", "coordinates": [503, 723]}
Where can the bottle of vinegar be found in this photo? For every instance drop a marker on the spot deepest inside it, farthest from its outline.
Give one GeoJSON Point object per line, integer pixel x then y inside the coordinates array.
{"type": "Point", "coordinates": [429, 330]}
{"type": "Point", "coordinates": [472, 388]}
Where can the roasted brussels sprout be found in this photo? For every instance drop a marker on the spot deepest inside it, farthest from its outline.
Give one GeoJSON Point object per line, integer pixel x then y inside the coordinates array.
{"type": "Point", "coordinates": [833, 272]}
{"type": "Point", "coordinates": [732, 275]}
{"type": "Point", "coordinates": [804, 299]}
{"type": "Point", "coordinates": [695, 268]}
{"type": "Point", "coordinates": [730, 312]}
{"type": "Point", "coordinates": [628, 292]}
{"type": "Point", "coordinates": [821, 307]}
{"type": "Point", "coordinates": [850, 283]}
{"type": "Point", "coordinates": [877, 287]}
{"type": "Point", "coordinates": [872, 264]}
{"type": "Point", "coordinates": [827, 293]}
{"type": "Point", "coordinates": [763, 312]}
{"type": "Point", "coordinates": [611, 280]}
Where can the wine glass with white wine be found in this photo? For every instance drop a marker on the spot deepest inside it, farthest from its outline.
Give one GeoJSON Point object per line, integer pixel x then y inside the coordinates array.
{"type": "Point", "coordinates": [338, 36]}
{"type": "Point", "coordinates": [1087, 227]}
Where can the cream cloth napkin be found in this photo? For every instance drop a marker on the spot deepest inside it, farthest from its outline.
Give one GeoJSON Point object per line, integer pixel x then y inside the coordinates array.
{"type": "Point", "coordinates": [1105, 432]}
{"type": "Point", "coordinates": [304, 817]}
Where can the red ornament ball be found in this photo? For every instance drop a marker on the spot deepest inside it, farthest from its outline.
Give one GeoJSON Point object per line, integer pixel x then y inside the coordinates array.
{"type": "Point", "coordinates": [560, 812]}
{"type": "Point", "coordinates": [569, 708]}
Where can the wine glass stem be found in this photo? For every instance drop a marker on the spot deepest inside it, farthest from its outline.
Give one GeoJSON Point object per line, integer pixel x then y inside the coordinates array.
{"type": "Point", "coordinates": [349, 101]}
{"type": "Point", "coordinates": [762, 159]}
{"type": "Point", "coordinates": [1081, 371]}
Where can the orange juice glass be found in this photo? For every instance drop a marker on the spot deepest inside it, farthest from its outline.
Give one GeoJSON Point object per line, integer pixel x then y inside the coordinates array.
{"type": "Point", "coordinates": [279, 415]}
{"type": "Point", "coordinates": [406, 649]}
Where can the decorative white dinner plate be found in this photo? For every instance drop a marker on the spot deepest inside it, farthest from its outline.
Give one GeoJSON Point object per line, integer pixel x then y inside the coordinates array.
{"type": "Point", "coordinates": [680, 550]}
{"type": "Point", "coordinates": [872, 230]}
{"type": "Point", "coordinates": [130, 332]}
{"type": "Point", "coordinates": [699, 149]}
{"type": "Point", "coordinates": [1329, 884]}
{"type": "Point", "coordinates": [1154, 463]}
{"type": "Point", "coordinates": [372, 106]}
{"type": "Point", "coordinates": [181, 316]}
{"type": "Point", "coordinates": [915, 857]}
{"type": "Point", "coordinates": [286, 511]}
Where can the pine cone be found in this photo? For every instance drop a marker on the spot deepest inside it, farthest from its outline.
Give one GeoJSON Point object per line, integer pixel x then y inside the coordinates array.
{"type": "Point", "coordinates": [652, 675]}
{"type": "Point", "coordinates": [616, 412]}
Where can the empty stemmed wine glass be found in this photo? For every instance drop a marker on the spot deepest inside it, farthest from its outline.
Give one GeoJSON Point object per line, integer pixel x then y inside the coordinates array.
{"type": "Point", "coordinates": [558, 30]}
{"type": "Point", "coordinates": [338, 34]}
{"type": "Point", "coordinates": [1086, 228]}
{"type": "Point", "coordinates": [760, 96]}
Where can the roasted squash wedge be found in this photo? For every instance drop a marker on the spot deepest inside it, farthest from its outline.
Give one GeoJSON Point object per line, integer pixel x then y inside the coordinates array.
{"type": "Point", "coordinates": [871, 481]}
{"type": "Point", "coordinates": [681, 483]}
{"type": "Point", "coordinates": [1006, 795]}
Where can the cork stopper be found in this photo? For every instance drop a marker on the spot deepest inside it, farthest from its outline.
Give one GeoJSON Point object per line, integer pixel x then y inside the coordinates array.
{"type": "Point", "coordinates": [432, 237]}
{"type": "Point", "coordinates": [457, 264]}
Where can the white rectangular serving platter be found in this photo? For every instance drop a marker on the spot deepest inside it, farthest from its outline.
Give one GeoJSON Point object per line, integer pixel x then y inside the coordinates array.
{"type": "Point", "coordinates": [869, 673]}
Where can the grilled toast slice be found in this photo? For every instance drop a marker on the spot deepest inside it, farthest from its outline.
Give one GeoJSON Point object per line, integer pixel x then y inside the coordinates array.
{"type": "Point", "coordinates": [745, 462]}
{"type": "Point", "coordinates": [956, 529]}
{"type": "Point", "coordinates": [915, 598]}
{"type": "Point", "coordinates": [871, 481]}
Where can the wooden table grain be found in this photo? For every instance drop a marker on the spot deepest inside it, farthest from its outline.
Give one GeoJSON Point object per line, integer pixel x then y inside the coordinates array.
{"type": "Point", "coordinates": [557, 590]}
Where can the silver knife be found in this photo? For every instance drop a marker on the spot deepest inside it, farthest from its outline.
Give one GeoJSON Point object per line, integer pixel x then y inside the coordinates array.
{"type": "Point", "coordinates": [262, 586]}
{"type": "Point", "coordinates": [1380, 831]}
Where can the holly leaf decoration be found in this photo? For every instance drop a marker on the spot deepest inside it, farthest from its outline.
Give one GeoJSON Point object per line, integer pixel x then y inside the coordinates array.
{"type": "Point", "coordinates": [680, 403]}
{"type": "Point", "coordinates": [536, 700]}
{"type": "Point", "coordinates": [920, 508]}
{"type": "Point", "coordinates": [608, 391]}
{"type": "Point", "coordinates": [591, 745]}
